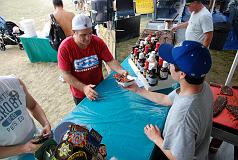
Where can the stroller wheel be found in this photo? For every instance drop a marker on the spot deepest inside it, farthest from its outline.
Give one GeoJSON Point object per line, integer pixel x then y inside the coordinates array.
{"type": "Point", "coordinates": [20, 46]}
{"type": "Point", "coordinates": [2, 47]}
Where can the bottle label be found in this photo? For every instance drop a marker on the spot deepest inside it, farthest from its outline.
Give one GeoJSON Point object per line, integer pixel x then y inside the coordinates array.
{"type": "Point", "coordinates": [152, 81]}
{"type": "Point", "coordinates": [141, 69]}
{"type": "Point", "coordinates": [144, 73]}
{"type": "Point", "coordinates": [163, 75]}
{"type": "Point", "coordinates": [132, 57]}
{"type": "Point", "coordinates": [147, 75]}
{"type": "Point", "coordinates": [138, 64]}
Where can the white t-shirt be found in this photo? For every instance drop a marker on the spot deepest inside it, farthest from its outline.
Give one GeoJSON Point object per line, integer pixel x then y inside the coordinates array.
{"type": "Point", "coordinates": [16, 125]}
{"type": "Point", "coordinates": [188, 125]}
{"type": "Point", "coordinates": [198, 24]}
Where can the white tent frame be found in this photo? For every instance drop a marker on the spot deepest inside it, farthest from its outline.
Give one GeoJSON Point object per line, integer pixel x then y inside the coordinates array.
{"type": "Point", "coordinates": [232, 70]}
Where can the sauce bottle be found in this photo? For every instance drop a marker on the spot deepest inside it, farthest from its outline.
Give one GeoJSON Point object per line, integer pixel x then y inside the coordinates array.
{"type": "Point", "coordinates": [164, 71]}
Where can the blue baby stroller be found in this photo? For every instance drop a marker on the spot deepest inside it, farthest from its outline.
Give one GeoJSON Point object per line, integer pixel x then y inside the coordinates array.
{"type": "Point", "coordinates": [9, 34]}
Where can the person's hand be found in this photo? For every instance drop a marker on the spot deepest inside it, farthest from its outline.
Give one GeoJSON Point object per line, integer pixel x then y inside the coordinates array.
{"type": "Point", "coordinates": [90, 93]}
{"type": "Point", "coordinates": [152, 132]}
{"type": "Point", "coordinates": [30, 147]}
{"type": "Point", "coordinates": [174, 29]}
{"type": "Point", "coordinates": [133, 87]}
{"type": "Point", "coordinates": [124, 72]}
{"type": "Point", "coordinates": [46, 130]}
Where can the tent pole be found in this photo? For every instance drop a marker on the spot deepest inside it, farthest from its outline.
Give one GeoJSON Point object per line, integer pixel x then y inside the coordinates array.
{"type": "Point", "coordinates": [232, 70]}
{"type": "Point", "coordinates": [213, 6]}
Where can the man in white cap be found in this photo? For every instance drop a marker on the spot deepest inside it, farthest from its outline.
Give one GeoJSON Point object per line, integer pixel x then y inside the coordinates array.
{"type": "Point", "coordinates": [80, 59]}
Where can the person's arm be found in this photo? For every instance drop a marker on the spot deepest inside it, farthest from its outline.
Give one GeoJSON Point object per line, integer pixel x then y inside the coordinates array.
{"type": "Point", "coordinates": [208, 39]}
{"type": "Point", "coordinates": [8, 151]}
{"type": "Point", "coordinates": [154, 134]}
{"type": "Point", "coordinates": [73, 81]}
{"type": "Point", "coordinates": [106, 56]}
{"type": "Point", "coordinates": [39, 115]}
{"type": "Point", "coordinates": [36, 111]}
{"type": "Point", "coordinates": [115, 66]}
{"type": "Point", "coordinates": [86, 89]}
{"type": "Point", "coordinates": [158, 98]}
{"type": "Point", "coordinates": [206, 23]}
{"type": "Point", "coordinates": [180, 26]}
{"type": "Point", "coordinates": [159, 142]}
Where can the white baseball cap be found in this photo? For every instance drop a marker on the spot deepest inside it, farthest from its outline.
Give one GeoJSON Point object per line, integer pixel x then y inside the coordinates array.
{"type": "Point", "coordinates": [81, 21]}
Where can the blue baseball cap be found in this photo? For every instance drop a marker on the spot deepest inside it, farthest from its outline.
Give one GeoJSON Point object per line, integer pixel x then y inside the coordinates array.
{"type": "Point", "coordinates": [191, 57]}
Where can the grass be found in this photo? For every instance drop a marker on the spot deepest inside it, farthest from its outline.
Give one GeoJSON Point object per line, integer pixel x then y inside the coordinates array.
{"type": "Point", "coordinates": [222, 61]}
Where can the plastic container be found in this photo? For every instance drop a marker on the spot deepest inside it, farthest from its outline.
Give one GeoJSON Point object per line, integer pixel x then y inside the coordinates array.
{"type": "Point", "coordinates": [124, 81]}
{"type": "Point", "coordinates": [28, 26]}
{"type": "Point", "coordinates": [131, 80]}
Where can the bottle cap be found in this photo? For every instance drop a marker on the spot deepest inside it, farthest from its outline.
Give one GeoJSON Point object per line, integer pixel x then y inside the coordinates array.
{"type": "Point", "coordinates": [146, 49]}
{"type": "Point", "coordinates": [152, 66]}
{"type": "Point", "coordinates": [165, 64]}
{"type": "Point", "coordinates": [149, 37]}
{"type": "Point", "coordinates": [141, 43]}
{"type": "Point", "coordinates": [141, 55]}
{"type": "Point", "coordinates": [146, 64]}
{"type": "Point", "coordinates": [157, 45]}
{"type": "Point", "coordinates": [160, 61]}
{"type": "Point", "coordinates": [135, 50]}
{"type": "Point", "coordinates": [152, 57]}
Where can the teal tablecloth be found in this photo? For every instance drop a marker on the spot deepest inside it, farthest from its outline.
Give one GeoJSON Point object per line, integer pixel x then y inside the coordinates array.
{"type": "Point", "coordinates": [120, 117]}
{"type": "Point", "coordinates": [38, 49]}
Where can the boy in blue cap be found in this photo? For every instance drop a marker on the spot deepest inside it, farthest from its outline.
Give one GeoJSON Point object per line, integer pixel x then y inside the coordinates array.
{"type": "Point", "coordinates": [188, 126]}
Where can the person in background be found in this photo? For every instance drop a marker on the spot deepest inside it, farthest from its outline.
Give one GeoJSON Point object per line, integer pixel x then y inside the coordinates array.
{"type": "Point", "coordinates": [63, 17]}
{"type": "Point", "coordinates": [17, 128]}
{"type": "Point", "coordinates": [188, 125]}
{"type": "Point", "coordinates": [80, 5]}
{"type": "Point", "coordinates": [200, 25]}
{"type": "Point", "coordinates": [80, 59]}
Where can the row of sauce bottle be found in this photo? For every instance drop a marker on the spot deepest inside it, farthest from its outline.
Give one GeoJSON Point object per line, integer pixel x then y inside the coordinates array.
{"type": "Point", "coordinates": [146, 57]}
